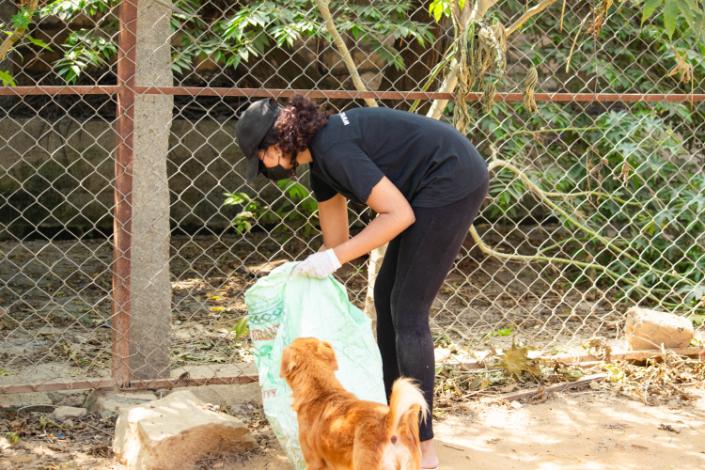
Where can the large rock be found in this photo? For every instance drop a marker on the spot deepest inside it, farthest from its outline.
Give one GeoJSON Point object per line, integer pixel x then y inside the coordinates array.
{"type": "Point", "coordinates": [175, 432]}
{"type": "Point", "coordinates": [649, 329]}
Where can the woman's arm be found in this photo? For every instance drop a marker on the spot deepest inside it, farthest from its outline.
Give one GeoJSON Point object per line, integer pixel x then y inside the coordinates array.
{"type": "Point", "coordinates": [394, 216]}
{"type": "Point", "coordinates": [333, 216]}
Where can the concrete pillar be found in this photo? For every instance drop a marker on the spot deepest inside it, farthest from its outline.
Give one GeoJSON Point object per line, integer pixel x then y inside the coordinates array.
{"type": "Point", "coordinates": [150, 303]}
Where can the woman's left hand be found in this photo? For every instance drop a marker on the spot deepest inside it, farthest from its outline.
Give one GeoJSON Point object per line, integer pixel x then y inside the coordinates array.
{"type": "Point", "coordinates": [320, 265]}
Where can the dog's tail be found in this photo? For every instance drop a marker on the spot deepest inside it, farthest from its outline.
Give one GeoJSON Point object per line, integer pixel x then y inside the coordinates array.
{"type": "Point", "coordinates": [406, 398]}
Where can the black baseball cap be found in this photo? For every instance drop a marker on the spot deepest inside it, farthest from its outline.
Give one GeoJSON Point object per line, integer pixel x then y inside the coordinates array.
{"type": "Point", "coordinates": [250, 130]}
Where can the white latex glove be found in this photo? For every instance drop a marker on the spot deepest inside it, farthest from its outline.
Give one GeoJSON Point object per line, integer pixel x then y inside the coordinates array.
{"type": "Point", "coordinates": [321, 264]}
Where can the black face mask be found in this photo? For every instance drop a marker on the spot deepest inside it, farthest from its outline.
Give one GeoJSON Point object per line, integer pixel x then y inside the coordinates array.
{"type": "Point", "coordinates": [277, 173]}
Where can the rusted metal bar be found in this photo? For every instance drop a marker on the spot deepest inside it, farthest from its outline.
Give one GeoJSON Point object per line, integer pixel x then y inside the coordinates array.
{"type": "Point", "coordinates": [54, 386]}
{"type": "Point", "coordinates": [606, 97]}
{"type": "Point", "coordinates": [108, 384]}
{"type": "Point", "coordinates": [581, 359]}
{"type": "Point", "coordinates": [122, 225]}
{"type": "Point", "coordinates": [350, 94]}
{"type": "Point", "coordinates": [59, 90]}
{"type": "Point", "coordinates": [413, 95]}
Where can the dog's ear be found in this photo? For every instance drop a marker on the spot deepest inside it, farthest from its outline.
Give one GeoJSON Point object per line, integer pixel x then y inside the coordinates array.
{"type": "Point", "coordinates": [290, 362]}
{"type": "Point", "coordinates": [325, 349]}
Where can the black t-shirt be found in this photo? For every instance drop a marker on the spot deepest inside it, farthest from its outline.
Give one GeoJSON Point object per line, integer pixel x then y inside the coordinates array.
{"type": "Point", "coordinates": [429, 161]}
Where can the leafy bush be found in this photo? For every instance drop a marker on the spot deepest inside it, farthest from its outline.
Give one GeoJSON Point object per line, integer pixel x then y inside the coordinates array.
{"type": "Point", "coordinates": [238, 34]}
{"type": "Point", "coordinates": [635, 180]}
{"type": "Point", "coordinates": [294, 210]}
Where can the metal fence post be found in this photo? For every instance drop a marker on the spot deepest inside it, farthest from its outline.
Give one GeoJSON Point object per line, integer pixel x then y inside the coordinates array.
{"type": "Point", "coordinates": [123, 192]}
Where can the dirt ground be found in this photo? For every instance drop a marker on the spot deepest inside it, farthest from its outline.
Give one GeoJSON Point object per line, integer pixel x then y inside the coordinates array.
{"type": "Point", "coordinates": [55, 323]}
{"type": "Point", "coordinates": [575, 431]}
{"type": "Point", "coordinates": [582, 430]}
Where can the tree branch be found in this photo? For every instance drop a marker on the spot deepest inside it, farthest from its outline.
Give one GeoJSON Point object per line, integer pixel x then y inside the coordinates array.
{"type": "Point", "coordinates": [533, 11]}
{"type": "Point", "coordinates": [374, 262]}
{"type": "Point", "coordinates": [10, 41]}
{"type": "Point", "coordinates": [323, 7]}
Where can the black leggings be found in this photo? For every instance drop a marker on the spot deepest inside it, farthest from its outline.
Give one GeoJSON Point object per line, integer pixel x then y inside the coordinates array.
{"type": "Point", "coordinates": [414, 268]}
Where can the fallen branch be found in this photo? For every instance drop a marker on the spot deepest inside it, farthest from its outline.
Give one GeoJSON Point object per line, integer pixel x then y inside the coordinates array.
{"type": "Point", "coordinates": [486, 249]}
{"type": "Point", "coordinates": [544, 391]}
{"type": "Point", "coordinates": [638, 355]}
{"type": "Point", "coordinates": [591, 359]}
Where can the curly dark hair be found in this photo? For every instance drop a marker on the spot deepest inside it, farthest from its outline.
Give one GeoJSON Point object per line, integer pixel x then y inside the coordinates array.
{"type": "Point", "coordinates": [296, 125]}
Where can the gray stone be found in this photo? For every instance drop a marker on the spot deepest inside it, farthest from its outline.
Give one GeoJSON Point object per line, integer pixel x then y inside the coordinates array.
{"type": "Point", "coordinates": [66, 412]}
{"type": "Point", "coordinates": [229, 395]}
{"type": "Point", "coordinates": [75, 398]}
{"type": "Point", "coordinates": [222, 394]}
{"type": "Point", "coordinates": [106, 403]}
{"type": "Point", "coordinates": [175, 432]}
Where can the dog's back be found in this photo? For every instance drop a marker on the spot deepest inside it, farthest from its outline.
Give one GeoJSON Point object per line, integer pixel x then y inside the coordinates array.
{"type": "Point", "coordinates": [338, 431]}
{"type": "Point", "coordinates": [395, 445]}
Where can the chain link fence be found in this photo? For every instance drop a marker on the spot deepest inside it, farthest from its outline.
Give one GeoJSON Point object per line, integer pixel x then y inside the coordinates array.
{"type": "Point", "coordinates": [128, 235]}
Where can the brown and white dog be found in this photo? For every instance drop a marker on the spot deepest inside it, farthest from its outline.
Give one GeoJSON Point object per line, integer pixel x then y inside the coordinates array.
{"type": "Point", "coordinates": [338, 431]}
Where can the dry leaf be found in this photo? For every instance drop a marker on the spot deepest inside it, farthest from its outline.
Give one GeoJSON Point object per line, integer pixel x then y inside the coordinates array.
{"type": "Point", "coordinates": [515, 361]}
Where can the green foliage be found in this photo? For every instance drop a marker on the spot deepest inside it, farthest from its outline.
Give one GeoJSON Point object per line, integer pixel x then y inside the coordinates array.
{"type": "Point", "coordinates": [644, 160]}
{"type": "Point", "coordinates": [80, 50]}
{"type": "Point", "coordinates": [38, 42]}
{"type": "Point", "coordinates": [294, 210]}
{"type": "Point", "coordinates": [249, 30]}
{"type": "Point", "coordinates": [642, 183]}
{"type": "Point", "coordinates": [249, 210]}
{"type": "Point", "coordinates": [22, 18]}
{"type": "Point", "coordinates": [690, 13]}
{"type": "Point", "coordinates": [442, 8]}
{"type": "Point", "coordinates": [16, 32]}
{"type": "Point", "coordinates": [83, 49]}
{"type": "Point", "coordinates": [255, 28]}
{"type": "Point", "coordinates": [7, 78]}
{"type": "Point", "coordinates": [241, 34]}
{"type": "Point", "coordinates": [509, 128]}
{"type": "Point", "coordinates": [439, 9]}
{"type": "Point", "coordinates": [502, 332]}
{"type": "Point", "coordinates": [627, 55]}
{"type": "Point", "coordinates": [241, 329]}
{"type": "Point", "coordinates": [70, 9]}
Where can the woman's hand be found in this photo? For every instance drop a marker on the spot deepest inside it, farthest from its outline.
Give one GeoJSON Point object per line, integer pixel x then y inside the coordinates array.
{"type": "Point", "coordinates": [333, 215]}
{"type": "Point", "coordinates": [394, 216]}
{"type": "Point", "coordinates": [321, 264]}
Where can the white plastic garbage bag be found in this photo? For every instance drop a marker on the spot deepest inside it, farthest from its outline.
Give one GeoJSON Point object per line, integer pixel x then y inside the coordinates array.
{"type": "Point", "coordinates": [284, 306]}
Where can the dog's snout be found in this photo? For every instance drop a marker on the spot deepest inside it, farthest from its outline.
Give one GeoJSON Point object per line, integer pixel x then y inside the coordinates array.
{"type": "Point", "coordinates": [394, 439]}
